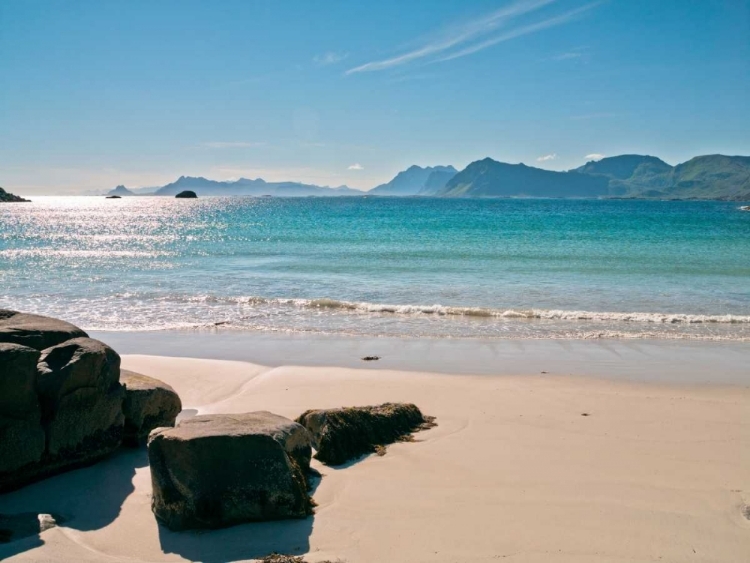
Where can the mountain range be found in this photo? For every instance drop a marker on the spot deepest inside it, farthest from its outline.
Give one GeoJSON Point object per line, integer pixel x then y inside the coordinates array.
{"type": "Point", "coordinates": [716, 177]}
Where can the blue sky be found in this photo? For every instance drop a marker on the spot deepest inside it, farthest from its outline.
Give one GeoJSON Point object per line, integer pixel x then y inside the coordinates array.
{"type": "Point", "coordinates": [94, 94]}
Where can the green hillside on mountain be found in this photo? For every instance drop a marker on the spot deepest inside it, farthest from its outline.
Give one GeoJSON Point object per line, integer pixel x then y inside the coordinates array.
{"type": "Point", "coordinates": [715, 177]}
{"type": "Point", "coordinates": [489, 178]}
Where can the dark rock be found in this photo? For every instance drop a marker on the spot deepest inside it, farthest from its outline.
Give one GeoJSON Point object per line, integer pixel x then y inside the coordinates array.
{"type": "Point", "coordinates": [113, 197]}
{"type": "Point", "coordinates": [35, 331]}
{"type": "Point", "coordinates": [187, 194]}
{"type": "Point", "coordinates": [371, 358]}
{"type": "Point", "coordinates": [81, 398]}
{"type": "Point", "coordinates": [21, 432]}
{"type": "Point", "coordinates": [59, 409]}
{"type": "Point", "coordinates": [340, 435]}
{"type": "Point", "coordinates": [149, 403]}
{"type": "Point", "coordinates": [213, 471]}
{"type": "Point", "coordinates": [6, 197]}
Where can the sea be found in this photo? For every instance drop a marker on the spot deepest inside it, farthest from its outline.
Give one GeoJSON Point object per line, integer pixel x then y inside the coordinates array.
{"type": "Point", "coordinates": [383, 266]}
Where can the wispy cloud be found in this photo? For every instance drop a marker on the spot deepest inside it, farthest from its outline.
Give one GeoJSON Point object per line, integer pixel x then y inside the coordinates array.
{"type": "Point", "coordinates": [594, 156]}
{"type": "Point", "coordinates": [329, 58]}
{"type": "Point", "coordinates": [547, 157]}
{"type": "Point", "coordinates": [233, 144]}
{"type": "Point", "coordinates": [519, 32]}
{"type": "Point", "coordinates": [356, 166]}
{"type": "Point", "coordinates": [456, 36]}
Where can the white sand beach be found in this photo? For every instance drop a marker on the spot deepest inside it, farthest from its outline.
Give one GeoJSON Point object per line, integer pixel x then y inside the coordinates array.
{"type": "Point", "coordinates": [524, 468]}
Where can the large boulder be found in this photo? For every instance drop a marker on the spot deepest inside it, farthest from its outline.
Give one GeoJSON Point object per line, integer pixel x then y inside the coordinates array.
{"type": "Point", "coordinates": [81, 399]}
{"type": "Point", "coordinates": [340, 435]}
{"type": "Point", "coordinates": [21, 432]}
{"type": "Point", "coordinates": [35, 331]}
{"type": "Point", "coordinates": [59, 409]}
{"type": "Point", "coordinates": [149, 403]}
{"type": "Point", "coordinates": [213, 471]}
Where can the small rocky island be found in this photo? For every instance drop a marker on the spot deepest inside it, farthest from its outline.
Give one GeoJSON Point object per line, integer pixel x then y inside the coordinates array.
{"type": "Point", "coordinates": [6, 197]}
{"type": "Point", "coordinates": [187, 194]}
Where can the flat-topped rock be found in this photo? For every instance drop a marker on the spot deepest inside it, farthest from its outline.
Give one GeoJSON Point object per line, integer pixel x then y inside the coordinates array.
{"type": "Point", "coordinates": [149, 403]}
{"type": "Point", "coordinates": [213, 471]}
{"type": "Point", "coordinates": [35, 331]}
{"type": "Point", "coordinates": [340, 435]}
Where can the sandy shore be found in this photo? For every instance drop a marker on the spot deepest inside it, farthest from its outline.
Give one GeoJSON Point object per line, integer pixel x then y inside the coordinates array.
{"type": "Point", "coordinates": [514, 470]}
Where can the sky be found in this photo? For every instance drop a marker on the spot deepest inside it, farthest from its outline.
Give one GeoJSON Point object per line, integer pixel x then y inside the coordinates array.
{"type": "Point", "coordinates": [99, 93]}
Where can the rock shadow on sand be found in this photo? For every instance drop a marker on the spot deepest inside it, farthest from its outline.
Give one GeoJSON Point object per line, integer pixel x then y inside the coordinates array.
{"type": "Point", "coordinates": [254, 540]}
{"type": "Point", "coordinates": [239, 543]}
{"type": "Point", "coordinates": [86, 499]}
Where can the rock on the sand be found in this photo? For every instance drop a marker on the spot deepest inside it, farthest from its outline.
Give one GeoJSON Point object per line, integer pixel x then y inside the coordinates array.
{"type": "Point", "coordinates": [149, 403]}
{"type": "Point", "coordinates": [213, 471]}
{"type": "Point", "coordinates": [35, 331]}
{"type": "Point", "coordinates": [60, 409]}
{"type": "Point", "coordinates": [340, 435]}
{"type": "Point", "coordinates": [21, 432]}
{"type": "Point", "coordinates": [81, 398]}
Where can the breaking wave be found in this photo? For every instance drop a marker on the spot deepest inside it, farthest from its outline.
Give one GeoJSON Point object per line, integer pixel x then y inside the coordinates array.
{"type": "Point", "coordinates": [364, 307]}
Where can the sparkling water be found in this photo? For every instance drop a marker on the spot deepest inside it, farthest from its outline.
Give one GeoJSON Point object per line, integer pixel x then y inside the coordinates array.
{"type": "Point", "coordinates": [511, 268]}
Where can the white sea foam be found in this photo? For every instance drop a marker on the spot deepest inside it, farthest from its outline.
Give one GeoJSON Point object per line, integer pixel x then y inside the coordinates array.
{"type": "Point", "coordinates": [364, 307]}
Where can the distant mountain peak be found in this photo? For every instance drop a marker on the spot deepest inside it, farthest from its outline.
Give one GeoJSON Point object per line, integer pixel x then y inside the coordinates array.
{"type": "Point", "coordinates": [121, 191]}
{"type": "Point", "coordinates": [413, 181]}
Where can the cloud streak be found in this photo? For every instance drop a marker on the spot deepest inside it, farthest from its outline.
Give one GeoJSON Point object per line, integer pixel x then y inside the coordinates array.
{"type": "Point", "coordinates": [457, 36]}
{"type": "Point", "coordinates": [356, 166]}
{"type": "Point", "coordinates": [547, 157]}
{"type": "Point", "coordinates": [594, 156]}
{"type": "Point", "coordinates": [519, 32]}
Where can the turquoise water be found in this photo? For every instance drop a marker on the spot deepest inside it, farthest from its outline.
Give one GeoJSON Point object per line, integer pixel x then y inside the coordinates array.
{"type": "Point", "coordinates": [383, 266]}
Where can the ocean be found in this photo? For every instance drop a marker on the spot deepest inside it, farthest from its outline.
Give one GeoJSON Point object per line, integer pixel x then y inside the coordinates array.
{"type": "Point", "coordinates": [421, 267]}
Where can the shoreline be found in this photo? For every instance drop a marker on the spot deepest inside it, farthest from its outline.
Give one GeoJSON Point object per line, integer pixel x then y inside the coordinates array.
{"type": "Point", "coordinates": [530, 467]}
{"type": "Point", "coordinates": [657, 361]}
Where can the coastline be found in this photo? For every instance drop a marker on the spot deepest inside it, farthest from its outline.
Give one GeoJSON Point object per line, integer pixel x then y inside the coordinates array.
{"type": "Point", "coordinates": [651, 361]}
{"type": "Point", "coordinates": [572, 465]}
